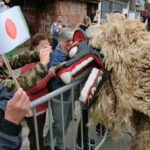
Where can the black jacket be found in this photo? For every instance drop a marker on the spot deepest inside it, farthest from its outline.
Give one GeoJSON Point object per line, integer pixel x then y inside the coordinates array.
{"type": "Point", "coordinates": [9, 139]}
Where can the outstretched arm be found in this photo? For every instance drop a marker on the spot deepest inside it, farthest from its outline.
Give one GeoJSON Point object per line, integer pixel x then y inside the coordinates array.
{"type": "Point", "coordinates": [43, 83]}
{"type": "Point", "coordinates": [32, 77]}
{"type": "Point", "coordinates": [21, 59]}
{"type": "Point", "coordinates": [28, 80]}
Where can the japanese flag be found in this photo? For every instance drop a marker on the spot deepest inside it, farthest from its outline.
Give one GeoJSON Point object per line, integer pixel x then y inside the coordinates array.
{"type": "Point", "coordinates": [13, 29]}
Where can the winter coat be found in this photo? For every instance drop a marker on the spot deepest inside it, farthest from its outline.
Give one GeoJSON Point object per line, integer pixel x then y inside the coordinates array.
{"type": "Point", "coordinates": [29, 79]}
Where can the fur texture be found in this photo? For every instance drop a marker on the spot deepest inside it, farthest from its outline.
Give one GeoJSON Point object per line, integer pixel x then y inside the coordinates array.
{"type": "Point", "coordinates": [125, 44]}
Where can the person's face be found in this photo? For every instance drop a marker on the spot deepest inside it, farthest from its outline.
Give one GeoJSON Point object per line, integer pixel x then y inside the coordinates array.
{"type": "Point", "coordinates": [1, 61]}
{"type": "Point", "coordinates": [88, 22]}
{"type": "Point", "coordinates": [66, 44]}
{"type": "Point", "coordinates": [59, 19]}
{"type": "Point", "coordinates": [42, 44]}
{"type": "Point", "coordinates": [6, 1]}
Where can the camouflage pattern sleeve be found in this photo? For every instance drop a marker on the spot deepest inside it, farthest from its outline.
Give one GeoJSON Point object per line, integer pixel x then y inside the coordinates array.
{"type": "Point", "coordinates": [21, 59]}
{"type": "Point", "coordinates": [27, 80]}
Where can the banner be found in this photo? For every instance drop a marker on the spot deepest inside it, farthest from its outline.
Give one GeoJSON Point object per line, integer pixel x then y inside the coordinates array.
{"type": "Point", "coordinates": [13, 29]}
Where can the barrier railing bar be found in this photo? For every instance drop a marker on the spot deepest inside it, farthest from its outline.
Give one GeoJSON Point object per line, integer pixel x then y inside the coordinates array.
{"type": "Point", "coordinates": [102, 141]}
{"type": "Point", "coordinates": [51, 95]}
{"type": "Point", "coordinates": [54, 93]}
{"type": "Point", "coordinates": [81, 120]}
{"type": "Point", "coordinates": [73, 126]}
{"type": "Point", "coordinates": [63, 127]}
{"type": "Point", "coordinates": [50, 126]}
{"type": "Point", "coordinates": [36, 128]}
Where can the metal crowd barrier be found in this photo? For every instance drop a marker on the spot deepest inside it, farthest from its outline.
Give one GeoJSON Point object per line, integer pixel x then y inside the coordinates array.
{"type": "Point", "coordinates": [48, 98]}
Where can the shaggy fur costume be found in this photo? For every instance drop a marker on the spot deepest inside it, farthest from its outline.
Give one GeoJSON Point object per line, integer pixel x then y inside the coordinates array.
{"type": "Point", "coordinates": [124, 100]}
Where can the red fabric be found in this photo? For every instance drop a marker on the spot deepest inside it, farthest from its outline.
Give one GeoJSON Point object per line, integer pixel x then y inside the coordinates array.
{"type": "Point", "coordinates": [39, 90]}
{"type": "Point", "coordinates": [144, 13]}
{"type": "Point", "coordinates": [78, 36]}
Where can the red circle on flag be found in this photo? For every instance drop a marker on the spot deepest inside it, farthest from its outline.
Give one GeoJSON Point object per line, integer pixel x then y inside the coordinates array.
{"type": "Point", "coordinates": [11, 28]}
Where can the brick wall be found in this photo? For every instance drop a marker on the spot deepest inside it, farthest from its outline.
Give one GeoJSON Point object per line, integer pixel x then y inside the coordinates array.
{"type": "Point", "coordinates": [39, 18]}
{"type": "Point", "coordinates": [72, 12]}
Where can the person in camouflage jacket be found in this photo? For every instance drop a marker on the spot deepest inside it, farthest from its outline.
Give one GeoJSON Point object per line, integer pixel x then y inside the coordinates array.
{"type": "Point", "coordinates": [29, 79]}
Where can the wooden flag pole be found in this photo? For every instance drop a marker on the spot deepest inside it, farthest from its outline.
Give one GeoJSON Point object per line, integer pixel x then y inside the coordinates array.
{"type": "Point", "coordinates": [13, 76]}
{"type": "Point", "coordinates": [10, 70]}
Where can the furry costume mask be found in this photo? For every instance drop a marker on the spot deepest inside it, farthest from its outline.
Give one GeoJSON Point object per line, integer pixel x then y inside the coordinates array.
{"type": "Point", "coordinates": [123, 101]}
{"type": "Point", "coordinates": [125, 46]}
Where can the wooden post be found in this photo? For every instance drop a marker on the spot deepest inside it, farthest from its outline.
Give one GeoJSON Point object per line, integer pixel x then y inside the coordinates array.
{"type": "Point", "coordinates": [99, 15]}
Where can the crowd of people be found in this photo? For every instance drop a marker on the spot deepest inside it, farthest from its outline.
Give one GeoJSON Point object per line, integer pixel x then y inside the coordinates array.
{"type": "Point", "coordinates": [37, 78]}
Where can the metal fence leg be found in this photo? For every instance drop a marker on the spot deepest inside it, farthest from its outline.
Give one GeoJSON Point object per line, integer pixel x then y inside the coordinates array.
{"type": "Point", "coordinates": [63, 127]}
{"type": "Point", "coordinates": [102, 141]}
{"type": "Point", "coordinates": [73, 122]}
{"type": "Point", "coordinates": [50, 126]}
{"type": "Point", "coordinates": [82, 145]}
{"type": "Point", "coordinates": [36, 129]}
